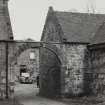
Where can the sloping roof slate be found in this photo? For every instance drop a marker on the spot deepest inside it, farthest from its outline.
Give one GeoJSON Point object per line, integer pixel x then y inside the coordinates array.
{"type": "Point", "coordinates": [79, 27]}
{"type": "Point", "coordinates": [5, 24]}
{"type": "Point", "coordinates": [100, 35]}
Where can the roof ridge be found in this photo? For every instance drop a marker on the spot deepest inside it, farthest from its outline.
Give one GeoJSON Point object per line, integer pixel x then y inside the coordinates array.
{"type": "Point", "coordinates": [86, 28]}
{"type": "Point", "coordinates": [79, 13]}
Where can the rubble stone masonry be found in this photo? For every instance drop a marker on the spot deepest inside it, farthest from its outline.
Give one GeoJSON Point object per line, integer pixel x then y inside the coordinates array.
{"type": "Point", "coordinates": [75, 67]}
{"type": "Point", "coordinates": [98, 69]}
{"type": "Point", "coordinates": [72, 67]}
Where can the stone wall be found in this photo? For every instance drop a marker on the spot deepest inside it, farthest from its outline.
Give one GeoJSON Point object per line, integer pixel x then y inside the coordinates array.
{"type": "Point", "coordinates": [98, 70]}
{"type": "Point", "coordinates": [2, 61]}
{"type": "Point", "coordinates": [11, 52]}
{"type": "Point", "coordinates": [73, 64]}
{"type": "Point", "coordinates": [4, 53]}
{"type": "Point", "coordinates": [51, 33]}
{"type": "Point", "coordinates": [75, 68]}
{"type": "Point", "coordinates": [73, 58]}
{"type": "Point", "coordinates": [19, 54]}
{"type": "Point", "coordinates": [32, 65]}
{"type": "Point", "coordinates": [3, 56]}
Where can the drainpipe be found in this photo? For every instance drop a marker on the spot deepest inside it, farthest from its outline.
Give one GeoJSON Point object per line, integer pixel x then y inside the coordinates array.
{"type": "Point", "coordinates": [6, 69]}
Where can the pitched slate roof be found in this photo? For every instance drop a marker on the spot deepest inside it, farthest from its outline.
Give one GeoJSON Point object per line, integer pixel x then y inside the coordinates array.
{"type": "Point", "coordinates": [5, 24]}
{"type": "Point", "coordinates": [79, 27]}
{"type": "Point", "coordinates": [99, 38]}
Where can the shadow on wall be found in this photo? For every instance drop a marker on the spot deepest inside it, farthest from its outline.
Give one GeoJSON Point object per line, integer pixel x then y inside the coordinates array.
{"type": "Point", "coordinates": [49, 74]}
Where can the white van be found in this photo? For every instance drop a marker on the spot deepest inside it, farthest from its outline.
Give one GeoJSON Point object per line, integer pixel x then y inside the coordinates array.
{"type": "Point", "coordinates": [25, 78]}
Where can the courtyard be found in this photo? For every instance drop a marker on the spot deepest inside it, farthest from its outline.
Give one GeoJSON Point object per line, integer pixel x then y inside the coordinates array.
{"type": "Point", "coordinates": [27, 94]}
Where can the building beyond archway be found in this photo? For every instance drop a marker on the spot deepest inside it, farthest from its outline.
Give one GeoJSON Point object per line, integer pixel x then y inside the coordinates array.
{"type": "Point", "coordinates": [26, 54]}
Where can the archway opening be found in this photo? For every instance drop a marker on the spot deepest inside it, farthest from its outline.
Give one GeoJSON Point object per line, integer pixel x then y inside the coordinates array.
{"type": "Point", "coordinates": [24, 70]}
{"type": "Point", "coordinates": [50, 72]}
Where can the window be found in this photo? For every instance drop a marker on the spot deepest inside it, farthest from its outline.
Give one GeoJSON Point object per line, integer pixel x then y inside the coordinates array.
{"type": "Point", "coordinates": [32, 55]}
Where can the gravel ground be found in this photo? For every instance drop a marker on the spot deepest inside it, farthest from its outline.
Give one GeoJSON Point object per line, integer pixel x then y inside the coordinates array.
{"type": "Point", "coordinates": [9, 102]}
{"type": "Point", "coordinates": [92, 100]}
{"type": "Point", "coordinates": [26, 94]}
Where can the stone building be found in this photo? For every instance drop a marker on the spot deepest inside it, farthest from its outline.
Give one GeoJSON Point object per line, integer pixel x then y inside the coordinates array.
{"type": "Point", "coordinates": [27, 59]}
{"type": "Point", "coordinates": [5, 35]}
{"type": "Point", "coordinates": [65, 58]}
{"type": "Point", "coordinates": [70, 55]}
{"type": "Point", "coordinates": [12, 50]}
{"type": "Point", "coordinates": [97, 60]}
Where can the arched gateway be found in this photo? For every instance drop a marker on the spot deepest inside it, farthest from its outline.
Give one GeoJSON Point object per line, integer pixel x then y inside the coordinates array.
{"type": "Point", "coordinates": [50, 78]}
{"type": "Point", "coordinates": [50, 71]}
{"type": "Point", "coordinates": [20, 57]}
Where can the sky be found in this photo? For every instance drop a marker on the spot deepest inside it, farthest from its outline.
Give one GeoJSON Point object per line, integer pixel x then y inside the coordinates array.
{"type": "Point", "coordinates": [28, 16]}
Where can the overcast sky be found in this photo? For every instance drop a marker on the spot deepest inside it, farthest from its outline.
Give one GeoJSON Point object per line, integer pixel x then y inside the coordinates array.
{"type": "Point", "coordinates": [28, 16]}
